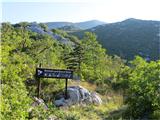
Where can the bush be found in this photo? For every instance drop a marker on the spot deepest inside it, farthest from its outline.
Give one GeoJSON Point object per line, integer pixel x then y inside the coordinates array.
{"type": "Point", "coordinates": [156, 115]}
{"type": "Point", "coordinates": [15, 102]}
{"type": "Point", "coordinates": [144, 91]}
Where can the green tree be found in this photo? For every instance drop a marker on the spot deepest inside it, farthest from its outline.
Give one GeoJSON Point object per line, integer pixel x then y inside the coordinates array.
{"type": "Point", "coordinates": [94, 58]}
{"type": "Point", "coordinates": [15, 102]}
{"type": "Point", "coordinates": [44, 26]}
{"type": "Point", "coordinates": [144, 91]}
{"type": "Point", "coordinates": [74, 59]}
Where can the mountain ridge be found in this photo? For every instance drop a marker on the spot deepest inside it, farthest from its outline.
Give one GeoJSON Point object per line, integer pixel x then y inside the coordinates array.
{"type": "Point", "coordinates": [128, 38]}
{"type": "Point", "coordinates": [81, 25]}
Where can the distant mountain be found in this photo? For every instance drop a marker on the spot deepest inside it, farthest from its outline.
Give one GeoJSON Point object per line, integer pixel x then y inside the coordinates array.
{"type": "Point", "coordinates": [80, 25]}
{"type": "Point", "coordinates": [129, 38]}
{"type": "Point", "coordinates": [89, 24]}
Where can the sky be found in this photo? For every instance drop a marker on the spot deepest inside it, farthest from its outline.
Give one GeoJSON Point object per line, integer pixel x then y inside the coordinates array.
{"type": "Point", "coordinates": [109, 11]}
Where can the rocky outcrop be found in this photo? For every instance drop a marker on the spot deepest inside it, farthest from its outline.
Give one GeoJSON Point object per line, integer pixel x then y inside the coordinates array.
{"type": "Point", "coordinates": [78, 95]}
{"type": "Point", "coordinates": [35, 27]}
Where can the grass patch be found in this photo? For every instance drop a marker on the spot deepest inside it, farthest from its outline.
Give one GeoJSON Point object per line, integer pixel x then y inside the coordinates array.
{"type": "Point", "coordinates": [111, 102]}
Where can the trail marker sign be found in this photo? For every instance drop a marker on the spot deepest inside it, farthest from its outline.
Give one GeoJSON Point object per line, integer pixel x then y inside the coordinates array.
{"type": "Point", "coordinates": [53, 73]}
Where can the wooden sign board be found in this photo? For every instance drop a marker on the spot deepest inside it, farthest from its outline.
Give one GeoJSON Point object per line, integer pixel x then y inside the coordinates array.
{"type": "Point", "coordinates": [54, 73]}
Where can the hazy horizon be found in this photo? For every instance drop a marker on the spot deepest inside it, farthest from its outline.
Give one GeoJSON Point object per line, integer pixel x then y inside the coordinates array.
{"type": "Point", "coordinates": [79, 21]}
{"type": "Point", "coordinates": [108, 11]}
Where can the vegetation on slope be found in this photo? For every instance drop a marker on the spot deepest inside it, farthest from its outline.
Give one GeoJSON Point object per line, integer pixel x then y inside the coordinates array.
{"type": "Point", "coordinates": [23, 51]}
{"type": "Point", "coordinates": [129, 38]}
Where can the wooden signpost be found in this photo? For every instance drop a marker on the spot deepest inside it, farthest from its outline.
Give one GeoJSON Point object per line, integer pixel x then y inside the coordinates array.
{"type": "Point", "coordinates": [53, 73]}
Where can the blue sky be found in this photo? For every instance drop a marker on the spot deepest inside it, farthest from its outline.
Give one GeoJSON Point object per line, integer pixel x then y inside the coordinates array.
{"type": "Point", "coordinates": [78, 10]}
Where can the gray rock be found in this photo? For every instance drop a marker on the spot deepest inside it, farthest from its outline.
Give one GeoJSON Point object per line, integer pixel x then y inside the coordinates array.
{"type": "Point", "coordinates": [74, 95]}
{"type": "Point", "coordinates": [35, 27]}
{"type": "Point", "coordinates": [85, 95]}
{"type": "Point", "coordinates": [60, 102]}
{"type": "Point", "coordinates": [79, 95]}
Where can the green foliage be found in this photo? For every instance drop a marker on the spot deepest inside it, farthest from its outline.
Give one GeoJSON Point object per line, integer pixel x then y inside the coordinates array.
{"type": "Point", "coordinates": [89, 61]}
{"type": "Point", "coordinates": [15, 102]}
{"type": "Point", "coordinates": [97, 66]}
{"type": "Point", "coordinates": [59, 32]}
{"type": "Point", "coordinates": [22, 25]}
{"type": "Point", "coordinates": [122, 81]}
{"type": "Point", "coordinates": [143, 94]}
{"type": "Point", "coordinates": [128, 38]}
{"type": "Point", "coordinates": [156, 114]}
{"type": "Point", "coordinates": [21, 53]}
{"type": "Point", "coordinates": [70, 28]}
{"type": "Point", "coordinates": [72, 117]}
{"type": "Point", "coordinates": [94, 56]}
{"type": "Point", "coordinates": [44, 26]}
{"type": "Point", "coordinates": [40, 113]}
{"type": "Point", "coordinates": [74, 58]}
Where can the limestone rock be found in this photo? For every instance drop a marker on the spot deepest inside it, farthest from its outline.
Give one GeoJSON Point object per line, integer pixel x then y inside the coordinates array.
{"type": "Point", "coordinates": [79, 95]}
{"type": "Point", "coordinates": [60, 102]}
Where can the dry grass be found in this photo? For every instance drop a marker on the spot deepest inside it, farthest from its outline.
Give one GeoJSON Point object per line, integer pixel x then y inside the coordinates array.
{"type": "Point", "coordinates": [111, 102]}
{"type": "Point", "coordinates": [89, 86]}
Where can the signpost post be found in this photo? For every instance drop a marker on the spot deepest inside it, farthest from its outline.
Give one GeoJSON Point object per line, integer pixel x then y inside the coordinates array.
{"type": "Point", "coordinates": [39, 84]}
{"type": "Point", "coordinates": [38, 87]}
{"type": "Point", "coordinates": [66, 96]}
{"type": "Point", "coordinates": [53, 73]}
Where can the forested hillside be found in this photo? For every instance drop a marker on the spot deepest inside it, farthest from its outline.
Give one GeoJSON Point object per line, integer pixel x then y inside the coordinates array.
{"type": "Point", "coordinates": [127, 92]}
{"type": "Point", "coordinates": [129, 38]}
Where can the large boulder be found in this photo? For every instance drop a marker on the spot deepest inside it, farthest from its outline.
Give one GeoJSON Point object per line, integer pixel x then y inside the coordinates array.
{"type": "Point", "coordinates": [73, 95]}
{"type": "Point", "coordinates": [78, 95]}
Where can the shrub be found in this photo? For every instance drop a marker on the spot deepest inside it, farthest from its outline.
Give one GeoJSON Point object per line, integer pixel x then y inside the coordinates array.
{"type": "Point", "coordinates": [143, 94]}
